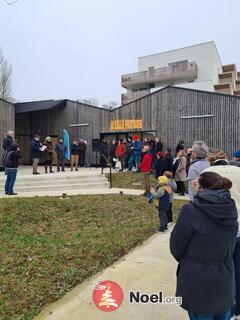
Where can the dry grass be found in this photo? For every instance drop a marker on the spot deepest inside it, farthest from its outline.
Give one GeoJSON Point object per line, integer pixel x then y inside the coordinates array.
{"type": "Point", "coordinates": [48, 245]}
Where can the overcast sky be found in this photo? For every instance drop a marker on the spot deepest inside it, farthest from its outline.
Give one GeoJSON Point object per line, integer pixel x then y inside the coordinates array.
{"type": "Point", "coordinates": [79, 49]}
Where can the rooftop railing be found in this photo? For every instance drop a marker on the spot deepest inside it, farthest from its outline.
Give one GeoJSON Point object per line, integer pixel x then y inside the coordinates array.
{"type": "Point", "coordinates": [186, 71]}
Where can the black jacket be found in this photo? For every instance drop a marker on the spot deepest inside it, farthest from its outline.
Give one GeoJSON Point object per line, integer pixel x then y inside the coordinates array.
{"type": "Point", "coordinates": [14, 156]}
{"type": "Point", "coordinates": [75, 150]}
{"type": "Point", "coordinates": [167, 163]}
{"type": "Point", "coordinates": [7, 142]}
{"type": "Point", "coordinates": [35, 152]}
{"type": "Point", "coordinates": [60, 150]}
{"type": "Point", "coordinates": [203, 242]}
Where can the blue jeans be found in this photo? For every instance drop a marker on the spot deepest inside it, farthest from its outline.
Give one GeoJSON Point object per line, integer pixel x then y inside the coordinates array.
{"type": "Point", "coordinates": [236, 258]}
{"type": "Point", "coordinates": [163, 219]}
{"type": "Point", "coordinates": [11, 178]}
{"type": "Point", "coordinates": [224, 316]}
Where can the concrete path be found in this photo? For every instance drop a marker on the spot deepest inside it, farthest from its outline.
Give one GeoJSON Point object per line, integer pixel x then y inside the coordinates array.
{"type": "Point", "coordinates": [26, 171]}
{"type": "Point", "coordinates": [148, 269]}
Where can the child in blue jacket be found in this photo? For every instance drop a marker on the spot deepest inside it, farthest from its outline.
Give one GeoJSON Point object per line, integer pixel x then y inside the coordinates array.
{"type": "Point", "coordinates": [162, 193]}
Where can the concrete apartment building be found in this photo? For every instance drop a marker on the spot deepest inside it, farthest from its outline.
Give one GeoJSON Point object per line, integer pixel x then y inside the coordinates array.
{"type": "Point", "coordinates": [196, 67]}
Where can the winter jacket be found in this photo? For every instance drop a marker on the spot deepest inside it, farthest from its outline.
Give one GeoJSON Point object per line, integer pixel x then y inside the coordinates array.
{"type": "Point", "coordinates": [35, 152]}
{"type": "Point", "coordinates": [120, 150]}
{"type": "Point", "coordinates": [233, 174]}
{"type": "Point", "coordinates": [197, 166]}
{"type": "Point", "coordinates": [137, 151]}
{"type": "Point", "coordinates": [167, 163]}
{"type": "Point", "coordinates": [203, 242]}
{"type": "Point", "coordinates": [82, 147]}
{"type": "Point", "coordinates": [13, 162]}
{"type": "Point", "coordinates": [146, 163]}
{"type": "Point", "coordinates": [163, 196]}
{"type": "Point", "coordinates": [112, 150]}
{"type": "Point", "coordinates": [60, 150]}
{"type": "Point", "coordinates": [173, 185]}
{"type": "Point", "coordinates": [7, 142]}
{"type": "Point", "coordinates": [75, 150]}
{"type": "Point", "coordinates": [48, 152]}
{"type": "Point", "coordinates": [129, 150]}
{"type": "Point", "coordinates": [180, 174]}
{"type": "Point", "coordinates": [157, 166]}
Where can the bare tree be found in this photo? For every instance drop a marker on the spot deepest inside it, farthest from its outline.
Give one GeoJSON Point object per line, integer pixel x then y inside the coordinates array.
{"type": "Point", "coordinates": [91, 101]}
{"type": "Point", "coordinates": [110, 105]}
{"type": "Point", "coordinates": [5, 78]}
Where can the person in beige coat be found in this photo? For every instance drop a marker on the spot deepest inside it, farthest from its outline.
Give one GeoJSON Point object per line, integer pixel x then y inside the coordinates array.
{"type": "Point", "coordinates": [180, 174]}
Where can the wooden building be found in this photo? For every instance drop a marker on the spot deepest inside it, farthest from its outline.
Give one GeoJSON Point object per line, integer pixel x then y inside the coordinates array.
{"type": "Point", "coordinates": [49, 118]}
{"type": "Point", "coordinates": [172, 113]}
{"type": "Point", "coordinates": [6, 121]}
{"type": "Point", "coordinates": [175, 113]}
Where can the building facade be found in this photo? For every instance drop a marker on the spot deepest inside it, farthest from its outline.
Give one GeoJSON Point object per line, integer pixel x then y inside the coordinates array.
{"type": "Point", "coordinates": [172, 113]}
{"type": "Point", "coordinates": [6, 121]}
{"type": "Point", "coordinates": [195, 67]}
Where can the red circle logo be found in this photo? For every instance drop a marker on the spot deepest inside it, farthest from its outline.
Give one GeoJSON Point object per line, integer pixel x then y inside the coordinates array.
{"type": "Point", "coordinates": [107, 296]}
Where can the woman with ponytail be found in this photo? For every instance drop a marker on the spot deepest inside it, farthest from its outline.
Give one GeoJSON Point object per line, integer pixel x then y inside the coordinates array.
{"type": "Point", "coordinates": [203, 242]}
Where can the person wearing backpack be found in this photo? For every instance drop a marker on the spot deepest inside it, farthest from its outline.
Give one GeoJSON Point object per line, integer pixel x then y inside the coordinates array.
{"type": "Point", "coordinates": [11, 164]}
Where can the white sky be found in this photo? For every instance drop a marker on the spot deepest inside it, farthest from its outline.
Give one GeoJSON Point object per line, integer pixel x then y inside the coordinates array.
{"type": "Point", "coordinates": [79, 49]}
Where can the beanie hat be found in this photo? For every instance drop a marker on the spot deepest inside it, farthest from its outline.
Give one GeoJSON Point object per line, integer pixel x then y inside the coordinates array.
{"type": "Point", "coordinates": [135, 137]}
{"type": "Point", "coordinates": [201, 149]}
{"type": "Point", "coordinates": [162, 180]}
{"type": "Point", "coordinates": [237, 154]}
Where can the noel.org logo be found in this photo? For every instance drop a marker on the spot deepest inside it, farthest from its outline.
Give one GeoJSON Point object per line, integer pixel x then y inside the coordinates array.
{"type": "Point", "coordinates": [108, 296]}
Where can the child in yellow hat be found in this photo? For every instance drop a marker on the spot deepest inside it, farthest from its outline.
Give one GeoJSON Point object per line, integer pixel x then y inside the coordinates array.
{"type": "Point", "coordinates": [162, 193]}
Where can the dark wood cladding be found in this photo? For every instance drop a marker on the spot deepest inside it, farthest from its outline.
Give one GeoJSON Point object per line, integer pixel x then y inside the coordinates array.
{"type": "Point", "coordinates": [52, 122]}
{"type": "Point", "coordinates": [214, 118]}
{"type": "Point", "coordinates": [6, 121]}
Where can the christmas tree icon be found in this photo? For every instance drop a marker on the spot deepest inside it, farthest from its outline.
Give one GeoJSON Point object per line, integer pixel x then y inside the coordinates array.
{"type": "Point", "coordinates": [107, 299]}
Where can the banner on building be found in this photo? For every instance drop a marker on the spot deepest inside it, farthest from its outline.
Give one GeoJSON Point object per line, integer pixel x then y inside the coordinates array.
{"type": "Point", "coordinates": [126, 124]}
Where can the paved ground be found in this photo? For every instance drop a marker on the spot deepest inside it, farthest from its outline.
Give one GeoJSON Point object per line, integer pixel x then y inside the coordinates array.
{"type": "Point", "coordinates": [27, 170]}
{"type": "Point", "coordinates": [149, 268]}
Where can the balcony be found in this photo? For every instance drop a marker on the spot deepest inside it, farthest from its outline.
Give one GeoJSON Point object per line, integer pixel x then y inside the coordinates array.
{"type": "Point", "coordinates": [178, 72]}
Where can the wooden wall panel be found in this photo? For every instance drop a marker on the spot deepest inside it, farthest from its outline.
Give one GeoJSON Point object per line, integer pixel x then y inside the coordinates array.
{"type": "Point", "coordinates": [6, 121]}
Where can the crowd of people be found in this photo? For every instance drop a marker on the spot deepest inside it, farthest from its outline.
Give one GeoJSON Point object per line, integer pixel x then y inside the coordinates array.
{"type": "Point", "coordinates": [44, 151]}
{"type": "Point", "coordinates": [205, 240]}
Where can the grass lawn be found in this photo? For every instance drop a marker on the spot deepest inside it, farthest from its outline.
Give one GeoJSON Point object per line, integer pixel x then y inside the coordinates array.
{"type": "Point", "coordinates": [49, 245]}
{"type": "Point", "coordinates": [130, 180]}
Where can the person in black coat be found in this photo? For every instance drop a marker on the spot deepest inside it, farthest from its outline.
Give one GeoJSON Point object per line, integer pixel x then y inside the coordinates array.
{"type": "Point", "coordinates": [11, 165]}
{"type": "Point", "coordinates": [36, 153]}
{"type": "Point", "coordinates": [203, 241]}
{"type": "Point", "coordinates": [167, 163]}
{"type": "Point", "coordinates": [103, 154]}
{"type": "Point", "coordinates": [112, 151]}
{"type": "Point", "coordinates": [157, 166]}
{"type": "Point", "coordinates": [158, 145]}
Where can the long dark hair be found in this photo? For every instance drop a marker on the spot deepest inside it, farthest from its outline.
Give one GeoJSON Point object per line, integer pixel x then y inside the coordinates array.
{"type": "Point", "coordinates": [213, 181]}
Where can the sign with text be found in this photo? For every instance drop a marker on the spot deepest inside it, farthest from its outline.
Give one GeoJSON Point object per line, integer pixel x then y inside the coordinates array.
{"type": "Point", "coordinates": [126, 124]}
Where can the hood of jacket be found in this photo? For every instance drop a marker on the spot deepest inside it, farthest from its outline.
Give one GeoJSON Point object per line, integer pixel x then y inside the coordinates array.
{"type": "Point", "coordinates": [217, 205]}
